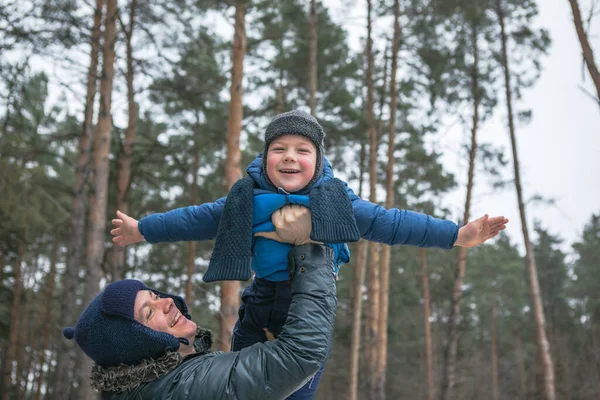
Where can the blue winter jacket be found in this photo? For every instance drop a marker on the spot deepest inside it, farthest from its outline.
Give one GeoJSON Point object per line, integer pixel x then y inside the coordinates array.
{"type": "Point", "coordinates": [375, 223]}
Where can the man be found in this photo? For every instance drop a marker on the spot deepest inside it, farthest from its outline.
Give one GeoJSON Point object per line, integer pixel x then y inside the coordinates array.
{"type": "Point", "coordinates": [145, 346]}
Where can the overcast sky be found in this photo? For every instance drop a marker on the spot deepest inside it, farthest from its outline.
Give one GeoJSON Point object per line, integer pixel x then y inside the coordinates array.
{"type": "Point", "coordinates": [559, 150]}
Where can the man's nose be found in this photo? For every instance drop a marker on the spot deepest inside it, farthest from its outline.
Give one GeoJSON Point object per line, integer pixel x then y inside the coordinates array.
{"type": "Point", "coordinates": [166, 304]}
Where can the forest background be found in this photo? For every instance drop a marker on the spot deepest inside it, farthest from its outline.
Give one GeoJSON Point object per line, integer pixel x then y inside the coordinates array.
{"type": "Point", "coordinates": [150, 106]}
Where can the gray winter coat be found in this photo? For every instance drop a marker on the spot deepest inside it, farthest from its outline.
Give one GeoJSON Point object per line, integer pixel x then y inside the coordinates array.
{"type": "Point", "coordinates": [270, 370]}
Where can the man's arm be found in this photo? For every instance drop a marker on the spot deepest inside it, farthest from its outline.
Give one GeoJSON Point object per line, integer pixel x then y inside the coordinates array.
{"type": "Point", "coordinates": [276, 369]}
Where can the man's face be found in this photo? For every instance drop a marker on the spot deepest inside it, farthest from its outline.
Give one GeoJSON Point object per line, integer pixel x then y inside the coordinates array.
{"type": "Point", "coordinates": [161, 314]}
{"type": "Point", "coordinates": [291, 162]}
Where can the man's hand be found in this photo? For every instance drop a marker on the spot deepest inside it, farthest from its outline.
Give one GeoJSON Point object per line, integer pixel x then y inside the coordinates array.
{"type": "Point", "coordinates": [268, 334]}
{"type": "Point", "coordinates": [292, 225]}
{"type": "Point", "coordinates": [126, 231]}
{"type": "Point", "coordinates": [476, 232]}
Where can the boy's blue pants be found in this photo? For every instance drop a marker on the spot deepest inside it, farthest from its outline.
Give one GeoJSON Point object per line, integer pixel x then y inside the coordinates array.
{"type": "Point", "coordinates": [265, 304]}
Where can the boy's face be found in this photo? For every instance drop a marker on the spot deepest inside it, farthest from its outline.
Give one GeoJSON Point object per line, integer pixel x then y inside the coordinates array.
{"type": "Point", "coordinates": [291, 162]}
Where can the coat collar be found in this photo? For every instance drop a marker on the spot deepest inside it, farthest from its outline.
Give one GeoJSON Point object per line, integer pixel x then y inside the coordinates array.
{"type": "Point", "coordinates": [126, 377]}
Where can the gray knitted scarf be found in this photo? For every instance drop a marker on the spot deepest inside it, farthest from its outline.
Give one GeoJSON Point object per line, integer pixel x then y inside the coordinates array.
{"type": "Point", "coordinates": [332, 222]}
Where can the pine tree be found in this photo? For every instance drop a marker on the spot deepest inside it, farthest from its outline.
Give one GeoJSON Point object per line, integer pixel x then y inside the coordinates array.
{"type": "Point", "coordinates": [586, 48]}
{"type": "Point", "coordinates": [526, 35]}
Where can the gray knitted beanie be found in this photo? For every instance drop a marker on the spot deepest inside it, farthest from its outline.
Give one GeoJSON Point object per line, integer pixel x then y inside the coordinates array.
{"type": "Point", "coordinates": [296, 122]}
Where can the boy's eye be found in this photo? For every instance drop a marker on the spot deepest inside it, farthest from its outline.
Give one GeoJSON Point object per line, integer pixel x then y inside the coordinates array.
{"type": "Point", "coordinates": [149, 314]}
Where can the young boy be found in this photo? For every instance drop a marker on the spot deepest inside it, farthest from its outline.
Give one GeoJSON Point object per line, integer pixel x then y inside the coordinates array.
{"type": "Point", "coordinates": [291, 170]}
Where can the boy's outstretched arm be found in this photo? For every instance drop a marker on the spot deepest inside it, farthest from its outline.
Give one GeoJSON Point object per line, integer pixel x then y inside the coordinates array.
{"type": "Point", "coordinates": [476, 232]}
{"type": "Point", "coordinates": [126, 231]}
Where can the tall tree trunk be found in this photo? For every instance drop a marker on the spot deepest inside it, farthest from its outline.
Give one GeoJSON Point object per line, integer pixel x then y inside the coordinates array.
{"type": "Point", "coordinates": [427, 324]}
{"type": "Point", "coordinates": [230, 291]}
{"type": "Point", "coordinates": [362, 156]}
{"type": "Point", "coordinates": [15, 311]}
{"type": "Point", "coordinates": [26, 338]}
{"type": "Point", "coordinates": [312, 58]}
{"type": "Point", "coordinates": [358, 280]}
{"type": "Point", "coordinates": [493, 336]}
{"type": "Point", "coordinates": [382, 340]}
{"type": "Point", "coordinates": [482, 387]}
{"type": "Point", "coordinates": [126, 155]}
{"type": "Point", "coordinates": [46, 318]}
{"type": "Point", "coordinates": [586, 48]}
{"type": "Point", "coordinates": [23, 339]}
{"type": "Point", "coordinates": [373, 287]}
{"type": "Point", "coordinates": [593, 346]}
{"type": "Point", "coordinates": [448, 376]}
{"type": "Point", "coordinates": [98, 201]}
{"type": "Point", "coordinates": [357, 300]}
{"type": "Point", "coordinates": [50, 372]}
{"type": "Point", "coordinates": [66, 348]}
{"type": "Point", "coordinates": [2, 265]}
{"type": "Point", "coordinates": [382, 95]}
{"type": "Point", "coordinates": [280, 107]}
{"type": "Point", "coordinates": [521, 362]}
{"type": "Point", "coordinates": [191, 261]}
{"type": "Point", "coordinates": [3, 343]}
{"type": "Point", "coordinates": [564, 385]}
{"type": "Point", "coordinates": [536, 300]}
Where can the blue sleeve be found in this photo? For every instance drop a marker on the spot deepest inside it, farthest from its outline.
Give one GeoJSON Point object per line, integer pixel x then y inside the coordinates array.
{"type": "Point", "coordinates": [396, 226]}
{"type": "Point", "coordinates": [187, 223]}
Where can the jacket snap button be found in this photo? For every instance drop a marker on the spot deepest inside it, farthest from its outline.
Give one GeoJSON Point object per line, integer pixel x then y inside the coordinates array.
{"type": "Point", "coordinates": [302, 256]}
{"type": "Point", "coordinates": [302, 269]}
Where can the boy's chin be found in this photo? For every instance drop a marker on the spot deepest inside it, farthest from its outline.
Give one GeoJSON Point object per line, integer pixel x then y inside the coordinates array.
{"type": "Point", "coordinates": [292, 188]}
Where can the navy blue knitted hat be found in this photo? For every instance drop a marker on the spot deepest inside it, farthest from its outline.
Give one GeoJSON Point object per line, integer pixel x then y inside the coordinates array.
{"type": "Point", "coordinates": [109, 334]}
{"type": "Point", "coordinates": [296, 122]}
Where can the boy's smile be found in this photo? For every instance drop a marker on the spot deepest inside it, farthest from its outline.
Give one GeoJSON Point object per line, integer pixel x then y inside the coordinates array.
{"type": "Point", "coordinates": [291, 162]}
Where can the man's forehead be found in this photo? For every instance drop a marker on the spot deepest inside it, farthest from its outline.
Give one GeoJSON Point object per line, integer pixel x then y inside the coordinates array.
{"type": "Point", "coordinates": [142, 294]}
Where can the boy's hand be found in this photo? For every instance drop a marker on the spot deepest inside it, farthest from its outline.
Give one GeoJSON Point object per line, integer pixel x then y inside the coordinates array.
{"type": "Point", "coordinates": [126, 231]}
{"type": "Point", "coordinates": [476, 232]}
{"type": "Point", "coordinates": [292, 225]}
